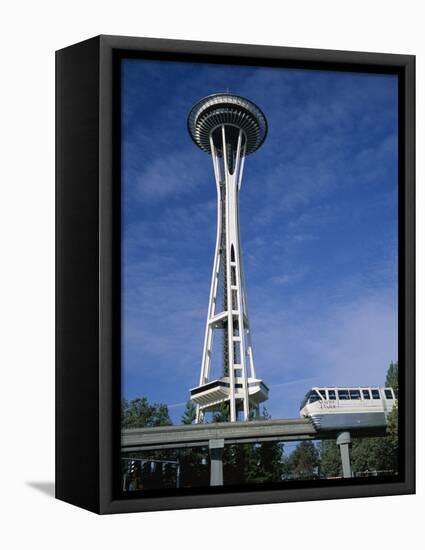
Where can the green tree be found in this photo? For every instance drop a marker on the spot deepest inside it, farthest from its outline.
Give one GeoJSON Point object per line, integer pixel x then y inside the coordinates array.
{"type": "Point", "coordinates": [380, 453]}
{"type": "Point", "coordinates": [194, 469]}
{"type": "Point", "coordinates": [138, 413]}
{"type": "Point", "coordinates": [372, 453]}
{"type": "Point", "coordinates": [304, 460]}
{"type": "Point", "coordinates": [392, 376]}
{"type": "Point", "coordinates": [330, 458]}
{"type": "Point", "coordinates": [189, 414]}
{"type": "Point", "coordinates": [250, 463]}
{"type": "Point", "coordinates": [223, 414]}
{"type": "Point", "coordinates": [238, 464]}
{"type": "Point", "coordinates": [369, 454]}
{"type": "Point", "coordinates": [268, 463]}
{"type": "Point", "coordinates": [392, 431]}
{"type": "Point", "coordinates": [392, 420]}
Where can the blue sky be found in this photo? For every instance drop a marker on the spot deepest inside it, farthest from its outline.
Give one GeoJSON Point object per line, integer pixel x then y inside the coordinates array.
{"type": "Point", "coordinates": [318, 228]}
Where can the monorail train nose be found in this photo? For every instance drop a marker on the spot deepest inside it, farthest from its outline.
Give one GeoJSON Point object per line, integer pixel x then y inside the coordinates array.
{"type": "Point", "coordinates": [303, 413]}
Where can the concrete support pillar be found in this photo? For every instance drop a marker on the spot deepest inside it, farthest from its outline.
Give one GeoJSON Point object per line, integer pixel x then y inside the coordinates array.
{"type": "Point", "coordinates": [216, 447]}
{"type": "Point", "coordinates": [344, 441]}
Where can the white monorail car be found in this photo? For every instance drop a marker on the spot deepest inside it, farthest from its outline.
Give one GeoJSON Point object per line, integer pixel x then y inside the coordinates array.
{"type": "Point", "coordinates": [344, 408]}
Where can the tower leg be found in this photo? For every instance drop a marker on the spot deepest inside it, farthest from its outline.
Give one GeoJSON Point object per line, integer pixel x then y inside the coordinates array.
{"type": "Point", "coordinates": [216, 447]}
{"type": "Point", "coordinates": [199, 415]}
{"type": "Point", "coordinates": [344, 442]}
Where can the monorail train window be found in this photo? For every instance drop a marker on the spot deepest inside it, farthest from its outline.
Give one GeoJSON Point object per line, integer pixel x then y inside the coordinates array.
{"type": "Point", "coordinates": [343, 394]}
{"type": "Point", "coordinates": [355, 394]}
{"type": "Point", "coordinates": [366, 394]}
{"type": "Point", "coordinates": [310, 397]}
{"type": "Point", "coordinates": [323, 393]}
{"type": "Point", "coordinates": [375, 394]}
{"type": "Point", "coordinates": [388, 394]}
{"type": "Point", "coordinates": [313, 396]}
{"type": "Point", "coordinates": [331, 394]}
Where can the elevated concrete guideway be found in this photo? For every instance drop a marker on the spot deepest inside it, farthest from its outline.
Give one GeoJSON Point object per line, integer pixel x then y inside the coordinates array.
{"type": "Point", "coordinates": [215, 436]}
{"type": "Point", "coordinates": [256, 431]}
{"type": "Point", "coordinates": [196, 435]}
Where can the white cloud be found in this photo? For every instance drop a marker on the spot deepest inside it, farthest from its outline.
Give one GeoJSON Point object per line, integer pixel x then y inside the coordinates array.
{"type": "Point", "coordinates": [348, 342]}
{"type": "Point", "coordinates": [290, 277]}
{"type": "Point", "coordinates": [172, 175]}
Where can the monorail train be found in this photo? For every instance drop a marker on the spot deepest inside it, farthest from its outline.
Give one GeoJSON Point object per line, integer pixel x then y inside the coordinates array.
{"type": "Point", "coordinates": [348, 408]}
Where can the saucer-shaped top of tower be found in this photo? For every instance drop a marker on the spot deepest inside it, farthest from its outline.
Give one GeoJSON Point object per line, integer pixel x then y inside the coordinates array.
{"type": "Point", "coordinates": [234, 112]}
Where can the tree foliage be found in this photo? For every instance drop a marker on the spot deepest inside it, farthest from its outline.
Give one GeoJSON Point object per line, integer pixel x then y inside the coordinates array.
{"type": "Point", "coordinates": [392, 376]}
{"type": "Point", "coordinates": [370, 455]}
{"type": "Point", "coordinates": [391, 442]}
{"type": "Point", "coordinates": [330, 458]}
{"type": "Point", "coordinates": [138, 413]}
{"type": "Point", "coordinates": [250, 463]}
{"type": "Point", "coordinates": [392, 437]}
{"type": "Point", "coordinates": [268, 459]}
{"type": "Point", "coordinates": [304, 461]}
{"type": "Point", "coordinates": [380, 453]}
{"type": "Point", "coordinates": [223, 414]}
{"type": "Point", "coordinates": [189, 415]}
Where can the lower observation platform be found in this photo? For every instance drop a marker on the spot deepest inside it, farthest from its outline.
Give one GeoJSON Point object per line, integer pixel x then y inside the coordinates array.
{"type": "Point", "coordinates": [211, 395]}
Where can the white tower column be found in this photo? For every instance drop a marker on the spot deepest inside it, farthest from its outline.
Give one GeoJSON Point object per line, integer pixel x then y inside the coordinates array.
{"type": "Point", "coordinates": [228, 137]}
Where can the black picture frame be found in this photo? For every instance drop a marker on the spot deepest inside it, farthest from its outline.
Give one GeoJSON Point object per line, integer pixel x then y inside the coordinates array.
{"type": "Point", "coordinates": [88, 273]}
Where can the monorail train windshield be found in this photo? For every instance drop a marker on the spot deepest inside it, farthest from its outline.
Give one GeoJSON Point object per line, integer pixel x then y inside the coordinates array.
{"type": "Point", "coordinates": [310, 397]}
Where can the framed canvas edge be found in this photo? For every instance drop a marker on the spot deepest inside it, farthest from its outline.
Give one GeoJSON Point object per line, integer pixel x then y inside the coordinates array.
{"type": "Point", "coordinates": [108, 428]}
{"type": "Point", "coordinates": [76, 275]}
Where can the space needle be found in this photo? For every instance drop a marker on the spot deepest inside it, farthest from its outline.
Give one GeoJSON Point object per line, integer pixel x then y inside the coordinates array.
{"type": "Point", "coordinates": [229, 128]}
